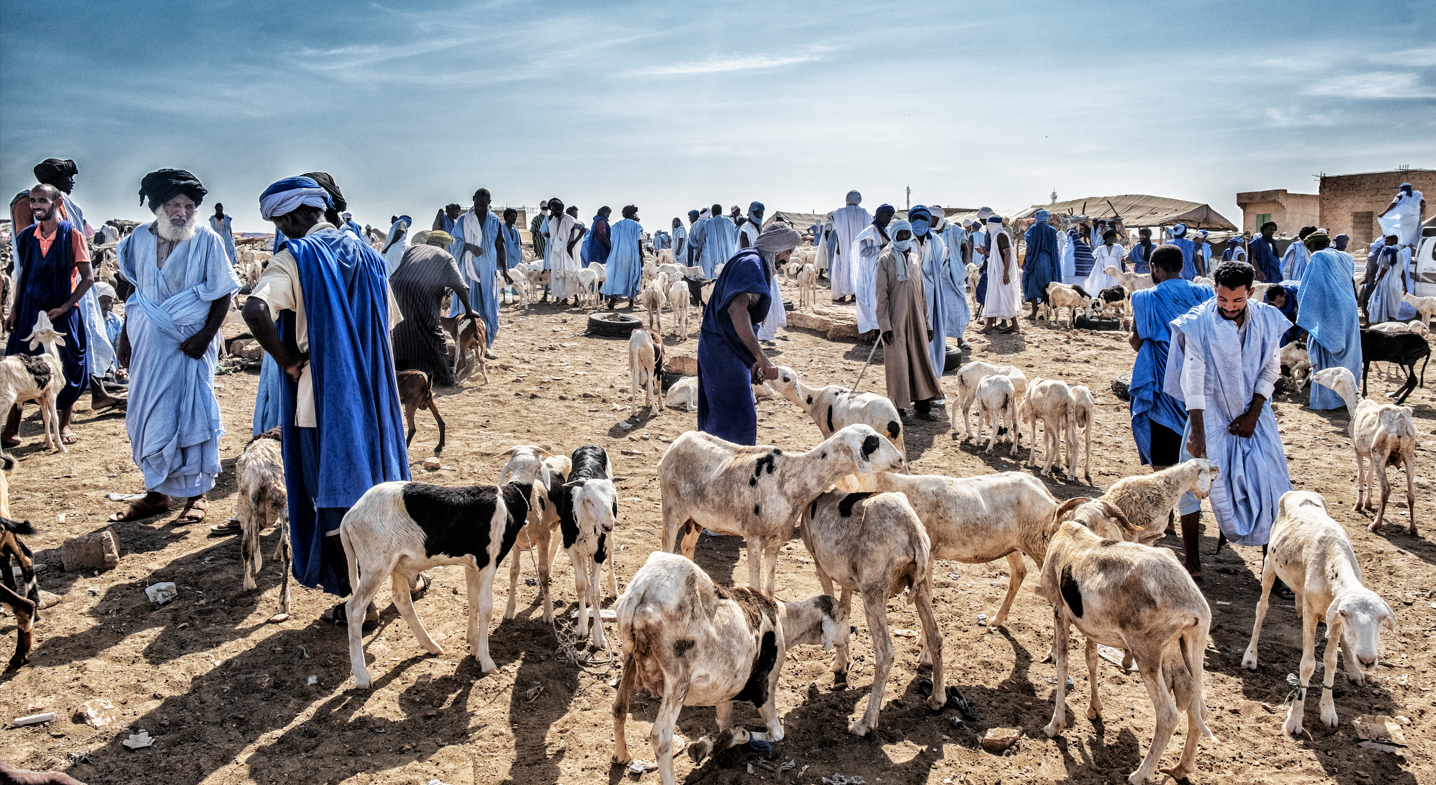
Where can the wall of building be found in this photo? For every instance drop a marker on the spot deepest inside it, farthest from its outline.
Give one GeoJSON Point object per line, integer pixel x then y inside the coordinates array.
{"type": "Point", "coordinates": [1290, 211]}
{"type": "Point", "coordinates": [1350, 202]}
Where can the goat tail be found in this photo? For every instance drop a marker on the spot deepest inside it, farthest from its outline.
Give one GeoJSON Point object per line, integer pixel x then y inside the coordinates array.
{"type": "Point", "coordinates": [1423, 368]}
{"type": "Point", "coordinates": [1193, 643]}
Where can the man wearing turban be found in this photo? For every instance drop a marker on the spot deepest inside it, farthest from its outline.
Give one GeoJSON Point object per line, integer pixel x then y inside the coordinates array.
{"type": "Point", "coordinates": [183, 283]}
{"type": "Point", "coordinates": [864, 258]}
{"type": "Point", "coordinates": [849, 221]}
{"type": "Point", "coordinates": [342, 429]}
{"type": "Point", "coordinates": [752, 226]}
{"type": "Point", "coordinates": [901, 311]}
{"type": "Point", "coordinates": [1042, 266]}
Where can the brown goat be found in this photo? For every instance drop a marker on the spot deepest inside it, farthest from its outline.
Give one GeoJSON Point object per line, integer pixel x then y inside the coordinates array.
{"type": "Point", "coordinates": [416, 391]}
{"type": "Point", "coordinates": [469, 335]}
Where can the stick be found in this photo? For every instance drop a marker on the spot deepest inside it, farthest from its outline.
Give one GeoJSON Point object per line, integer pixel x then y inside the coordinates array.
{"type": "Point", "coordinates": [871, 352]}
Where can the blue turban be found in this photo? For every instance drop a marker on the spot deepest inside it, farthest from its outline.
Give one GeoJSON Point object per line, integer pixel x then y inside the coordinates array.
{"type": "Point", "coordinates": [692, 215]}
{"type": "Point", "coordinates": [921, 220]}
{"type": "Point", "coordinates": [1180, 230]}
{"type": "Point", "coordinates": [884, 208]}
{"type": "Point", "coordinates": [994, 219]}
{"type": "Point", "coordinates": [1042, 215]}
{"type": "Point", "coordinates": [753, 210]}
{"type": "Point", "coordinates": [287, 195]}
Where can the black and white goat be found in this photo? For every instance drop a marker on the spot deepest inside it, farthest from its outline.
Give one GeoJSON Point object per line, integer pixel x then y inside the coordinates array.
{"type": "Point", "coordinates": [587, 512]}
{"type": "Point", "coordinates": [400, 529]}
{"type": "Point", "coordinates": [24, 599]}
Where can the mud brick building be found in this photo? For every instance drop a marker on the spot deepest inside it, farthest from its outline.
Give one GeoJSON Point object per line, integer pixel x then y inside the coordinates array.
{"type": "Point", "coordinates": [1290, 211]}
{"type": "Point", "coordinates": [1350, 202]}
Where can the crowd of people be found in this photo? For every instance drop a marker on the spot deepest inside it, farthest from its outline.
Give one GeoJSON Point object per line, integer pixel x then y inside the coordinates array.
{"type": "Point", "coordinates": [339, 311]}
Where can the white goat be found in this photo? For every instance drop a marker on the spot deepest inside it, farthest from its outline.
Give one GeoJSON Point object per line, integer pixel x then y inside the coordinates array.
{"type": "Point", "coordinates": [834, 407]}
{"type": "Point", "coordinates": [678, 297]}
{"type": "Point", "coordinates": [40, 378]}
{"type": "Point", "coordinates": [895, 556]}
{"type": "Point", "coordinates": [1084, 417]}
{"type": "Point", "coordinates": [692, 642]}
{"type": "Point", "coordinates": [996, 404]}
{"type": "Point", "coordinates": [1426, 306]}
{"type": "Point", "coordinates": [1147, 499]}
{"type": "Point", "coordinates": [645, 364]}
{"type": "Point", "coordinates": [756, 492]}
{"type": "Point", "coordinates": [1061, 295]}
{"type": "Point", "coordinates": [1310, 553]}
{"type": "Point", "coordinates": [651, 298]}
{"type": "Point", "coordinates": [972, 374]}
{"type": "Point", "coordinates": [588, 512]}
{"type": "Point", "coordinates": [545, 472]}
{"type": "Point", "coordinates": [1413, 326]}
{"type": "Point", "coordinates": [1051, 401]}
{"type": "Point", "coordinates": [1132, 282]}
{"type": "Point", "coordinates": [263, 500]}
{"type": "Point", "coordinates": [1382, 434]}
{"type": "Point", "coordinates": [807, 287]}
{"type": "Point", "coordinates": [684, 394]}
{"type": "Point", "coordinates": [1295, 359]}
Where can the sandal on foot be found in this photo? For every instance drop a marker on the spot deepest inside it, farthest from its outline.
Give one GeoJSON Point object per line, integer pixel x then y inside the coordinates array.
{"type": "Point", "coordinates": [231, 526]}
{"type": "Point", "coordinates": [69, 438]}
{"type": "Point", "coordinates": [194, 511]}
{"type": "Point", "coordinates": [139, 510]}
{"type": "Point", "coordinates": [338, 616]}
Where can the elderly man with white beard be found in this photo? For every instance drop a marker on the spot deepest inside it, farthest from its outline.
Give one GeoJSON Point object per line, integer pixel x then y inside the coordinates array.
{"type": "Point", "coordinates": [183, 285]}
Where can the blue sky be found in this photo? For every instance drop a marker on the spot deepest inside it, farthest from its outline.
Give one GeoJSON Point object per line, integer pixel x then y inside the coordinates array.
{"type": "Point", "coordinates": [671, 106]}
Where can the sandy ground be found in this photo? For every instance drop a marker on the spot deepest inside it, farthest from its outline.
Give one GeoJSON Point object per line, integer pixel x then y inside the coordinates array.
{"type": "Point", "coordinates": [227, 697]}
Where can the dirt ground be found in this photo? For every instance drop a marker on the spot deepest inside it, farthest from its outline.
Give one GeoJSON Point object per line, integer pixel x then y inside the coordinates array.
{"type": "Point", "coordinates": [228, 697]}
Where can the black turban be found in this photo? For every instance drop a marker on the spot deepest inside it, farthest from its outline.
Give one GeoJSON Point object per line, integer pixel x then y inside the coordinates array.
{"type": "Point", "coordinates": [162, 185]}
{"type": "Point", "coordinates": [52, 170]}
{"type": "Point", "coordinates": [327, 183]}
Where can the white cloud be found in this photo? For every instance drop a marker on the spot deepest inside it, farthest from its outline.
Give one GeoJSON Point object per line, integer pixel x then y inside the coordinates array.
{"type": "Point", "coordinates": [720, 65]}
{"type": "Point", "coordinates": [1377, 84]}
{"type": "Point", "coordinates": [1416, 58]}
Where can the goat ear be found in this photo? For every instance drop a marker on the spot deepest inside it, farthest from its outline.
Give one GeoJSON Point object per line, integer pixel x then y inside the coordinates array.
{"type": "Point", "coordinates": [1064, 513]}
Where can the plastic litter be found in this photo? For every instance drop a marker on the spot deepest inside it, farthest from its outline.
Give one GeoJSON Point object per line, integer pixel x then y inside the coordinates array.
{"type": "Point", "coordinates": [843, 779]}
{"type": "Point", "coordinates": [139, 740]}
{"type": "Point", "coordinates": [161, 593]}
{"type": "Point", "coordinates": [758, 745]}
{"type": "Point", "coordinates": [34, 719]}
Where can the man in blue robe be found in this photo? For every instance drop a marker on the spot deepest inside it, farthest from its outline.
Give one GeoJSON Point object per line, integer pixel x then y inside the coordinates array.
{"type": "Point", "coordinates": [598, 244]}
{"type": "Point", "coordinates": [342, 428]}
{"type": "Point", "coordinates": [1042, 266]}
{"type": "Point", "coordinates": [1223, 367]}
{"type": "Point", "coordinates": [1141, 252]}
{"type": "Point", "coordinates": [957, 313]}
{"type": "Point", "coordinates": [1179, 239]}
{"type": "Point", "coordinates": [49, 253]}
{"type": "Point", "coordinates": [720, 241]}
{"type": "Point", "coordinates": [183, 286]}
{"type": "Point", "coordinates": [446, 218]}
{"type": "Point", "coordinates": [223, 225]}
{"type": "Point", "coordinates": [481, 257]}
{"type": "Point", "coordinates": [679, 239]}
{"type": "Point", "coordinates": [1283, 297]}
{"type": "Point", "coordinates": [931, 251]}
{"type": "Point", "coordinates": [1262, 254]}
{"type": "Point", "coordinates": [695, 238]}
{"type": "Point", "coordinates": [625, 263]}
{"type": "Point", "coordinates": [1328, 314]}
{"type": "Point", "coordinates": [513, 241]}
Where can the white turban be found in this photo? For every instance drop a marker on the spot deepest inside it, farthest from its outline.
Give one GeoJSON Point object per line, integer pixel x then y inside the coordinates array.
{"type": "Point", "coordinates": [282, 200]}
{"type": "Point", "coordinates": [854, 197]}
{"type": "Point", "coordinates": [103, 289]}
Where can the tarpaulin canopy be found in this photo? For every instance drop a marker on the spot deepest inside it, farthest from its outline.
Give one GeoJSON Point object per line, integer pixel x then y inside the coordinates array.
{"type": "Point", "coordinates": [1140, 210]}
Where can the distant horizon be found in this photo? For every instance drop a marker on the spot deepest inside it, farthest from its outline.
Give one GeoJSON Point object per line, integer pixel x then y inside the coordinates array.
{"type": "Point", "coordinates": [668, 108]}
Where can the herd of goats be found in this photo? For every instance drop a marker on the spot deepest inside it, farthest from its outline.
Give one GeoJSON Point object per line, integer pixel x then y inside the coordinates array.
{"type": "Point", "coordinates": [871, 528]}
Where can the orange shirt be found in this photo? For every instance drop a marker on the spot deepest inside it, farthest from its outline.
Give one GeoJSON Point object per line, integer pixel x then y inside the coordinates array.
{"type": "Point", "coordinates": [82, 250]}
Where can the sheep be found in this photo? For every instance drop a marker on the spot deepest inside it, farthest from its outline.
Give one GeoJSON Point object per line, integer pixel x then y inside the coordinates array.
{"type": "Point", "coordinates": [1311, 554]}
{"type": "Point", "coordinates": [974, 274]}
{"type": "Point", "coordinates": [588, 283]}
{"type": "Point", "coordinates": [684, 394]}
{"type": "Point", "coordinates": [1132, 282]}
{"type": "Point", "coordinates": [416, 391]}
{"type": "Point", "coordinates": [470, 335]}
{"type": "Point", "coordinates": [968, 377]}
{"type": "Point", "coordinates": [1115, 298]}
{"type": "Point", "coordinates": [25, 377]}
{"type": "Point", "coordinates": [807, 287]}
{"type": "Point", "coordinates": [587, 511]}
{"type": "Point", "coordinates": [895, 556]}
{"type": "Point", "coordinates": [1403, 349]}
{"type": "Point", "coordinates": [651, 298]}
{"type": "Point", "coordinates": [756, 492]}
{"type": "Point", "coordinates": [521, 284]}
{"type": "Point", "coordinates": [1381, 433]}
{"type": "Point", "coordinates": [601, 270]}
{"type": "Point", "coordinates": [546, 473]}
{"type": "Point", "coordinates": [1426, 306]}
{"type": "Point", "coordinates": [1147, 499]}
{"type": "Point", "coordinates": [399, 529]}
{"type": "Point", "coordinates": [678, 301]}
{"type": "Point", "coordinates": [975, 520]}
{"type": "Point", "coordinates": [665, 256]}
{"type": "Point", "coordinates": [1202, 280]}
{"type": "Point", "coordinates": [1059, 296]}
{"type": "Point", "coordinates": [996, 404]}
{"type": "Point", "coordinates": [1084, 416]}
{"type": "Point", "coordinates": [1140, 599]}
{"type": "Point", "coordinates": [1413, 326]}
{"type": "Point", "coordinates": [645, 363]}
{"type": "Point", "coordinates": [1051, 401]}
{"type": "Point", "coordinates": [834, 407]}
{"type": "Point", "coordinates": [1294, 358]}
{"type": "Point", "coordinates": [24, 599]}
{"type": "Point", "coordinates": [263, 500]}
{"type": "Point", "coordinates": [694, 643]}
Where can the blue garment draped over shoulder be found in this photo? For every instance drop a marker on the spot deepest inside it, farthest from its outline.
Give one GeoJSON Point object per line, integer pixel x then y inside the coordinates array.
{"type": "Point", "coordinates": [1327, 311]}
{"type": "Point", "coordinates": [725, 391]}
{"type": "Point", "coordinates": [1152, 312]}
{"type": "Point", "coordinates": [1263, 257]}
{"type": "Point", "coordinates": [1253, 470]}
{"type": "Point", "coordinates": [1137, 257]}
{"type": "Point", "coordinates": [1042, 266]}
{"type": "Point", "coordinates": [483, 296]}
{"type": "Point", "coordinates": [358, 441]}
{"type": "Point", "coordinates": [625, 261]}
{"type": "Point", "coordinates": [1189, 267]}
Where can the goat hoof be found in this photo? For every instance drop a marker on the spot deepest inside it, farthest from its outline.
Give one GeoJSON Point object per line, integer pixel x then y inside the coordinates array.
{"type": "Point", "coordinates": [1092, 713]}
{"type": "Point", "coordinates": [860, 728]}
{"type": "Point", "coordinates": [840, 680]}
{"type": "Point", "coordinates": [699, 750]}
{"type": "Point", "coordinates": [1053, 729]}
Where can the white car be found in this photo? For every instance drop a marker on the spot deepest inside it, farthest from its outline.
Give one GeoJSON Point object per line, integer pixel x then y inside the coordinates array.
{"type": "Point", "coordinates": [1423, 263]}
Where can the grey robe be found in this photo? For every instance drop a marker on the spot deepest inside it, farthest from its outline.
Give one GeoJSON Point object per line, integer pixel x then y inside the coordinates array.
{"type": "Point", "coordinates": [902, 308]}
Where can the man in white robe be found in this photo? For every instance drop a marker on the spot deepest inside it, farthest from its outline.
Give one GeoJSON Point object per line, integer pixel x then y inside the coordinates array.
{"type": "Point", "coordinates": [679, 242]}
{"type": "Point", "coordinates": [848, 222]}
{"type": "Point", "coordinates": [170, 342]}
{"type": "Point", "coordinates": [1404, 215]}
{"type": "Point", "coordinates": [752, 227]}
{"type": "Point", "coordinates": [564, 234]}
{"type": "Point", "coordinates": [1004, 280]}
{"type": "Point", "coordinates": [865, 250]}
{"type": "Point", "coordinates": [396, 243]}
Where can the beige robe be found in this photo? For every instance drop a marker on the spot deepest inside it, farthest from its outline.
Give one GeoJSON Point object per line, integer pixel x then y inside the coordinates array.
{"type": "Point", "coordinates": [902, 308]}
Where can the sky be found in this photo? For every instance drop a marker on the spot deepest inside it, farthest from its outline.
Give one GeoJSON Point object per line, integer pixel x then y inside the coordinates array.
{"type": "Point", "coordinates": [671, 106]}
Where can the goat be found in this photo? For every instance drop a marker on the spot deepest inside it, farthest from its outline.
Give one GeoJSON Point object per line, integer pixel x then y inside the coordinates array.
{"type": "Point", "coordinates": [997, 403]}
{"type": "Point", "coordinates": [1059, 296]}
{"type": "Point", "coordinates": [756, 492]}
{"type": "Point", "coordinates": [1140, 599]}
{"type": "Point", "coordinates": [1084, 417]}
{"type": "Point", "coordinates": [416, 391]}
{"type": "Point", "coordinates": [588, 283]}
{"type": "Point", "coordinates": [1147, 499]}
{"type": "Point", "coordinates": [24, 599]}
{"type": "Point", "coordinates": [1311, 554]}
{"type": "Point", "coordinates": [263, 501]}
{"type": "Point", "coordinates": [684, 394]}
{"type": "Point", "coordinates": [645, 363]}
{"type": "Point", "coordinates": [1426, 306]}
{"type": "Point", "coordinates": [587, 511]}
{"type": "Point", "coordinates": [470, 335]}
{"type": "Point", "coordinates": [546, 473]}
{"type": "Point", "coordinates": [1413, 326]}
{"type": "Point", "coordinates": [399, 529]}
{"type": "Point", "coordinates": [1294, 358]}
{"type": "Point", "coordinates": [1403, 349]}
{"type": "Point", "coordinates": [694, 643]}
{"type": "Point", "coordinates": [975, 520]}
{"type": "Point", "coordinates": [895, 556]}
{"type": "Point", "coordinates": [1381, 433]}
{"type": "Point", "coordinates": [1132, 282]}
{"type": "Point", "coordinates": [1051, 401]}
{"type": "Point", "coordinates": [1117, 298]}
{"type": "Point", "coordinates": [651, 298]}
{"type": "Point", "coordinates": [974, 274]}
{"type": "Point", "coordinates": [26, 377]}
{"type": "Point", "coordinates": [834, 407]}
{"type": "Point", "coordinates": [678, 300]}
{"type": "Point", "coordinates": [807, 287]}
{"type": "Point", "coordinates": [968, 377]}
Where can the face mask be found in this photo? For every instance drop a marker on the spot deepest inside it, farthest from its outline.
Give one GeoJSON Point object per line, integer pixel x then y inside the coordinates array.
{"type": "Point", "coordinates": [920, 227]}
{"type": "Point", "coordinates": [903, 245]}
